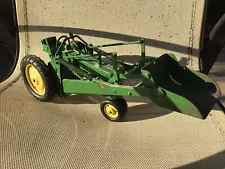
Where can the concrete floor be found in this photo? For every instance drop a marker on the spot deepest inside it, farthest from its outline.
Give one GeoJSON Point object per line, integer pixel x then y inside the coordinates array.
{"type": "Point", "coordinates": [72, 133]}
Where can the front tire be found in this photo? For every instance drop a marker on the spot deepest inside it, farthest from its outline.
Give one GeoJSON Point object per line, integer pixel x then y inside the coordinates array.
{"type": "Point", "coordinates": [123, 103]}
{"type": "Point", "coordinates": [37, 78]}
{"type": "Point", "coordinates": [112, 110]}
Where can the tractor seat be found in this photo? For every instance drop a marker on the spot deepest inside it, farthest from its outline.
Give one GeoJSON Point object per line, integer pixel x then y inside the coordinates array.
{"type": "Point", "coordinates": [80, 45]}
{"type": "Point", "coordinates": [49, 45]}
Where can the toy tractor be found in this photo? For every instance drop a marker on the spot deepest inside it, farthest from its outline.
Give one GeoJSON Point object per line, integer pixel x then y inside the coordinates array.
{"type": "Point", "coordinates": [77, 67]}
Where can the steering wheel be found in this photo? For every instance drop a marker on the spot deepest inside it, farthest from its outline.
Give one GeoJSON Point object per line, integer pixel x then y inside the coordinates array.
{"type": "Point", "coordinates": [78, 45]}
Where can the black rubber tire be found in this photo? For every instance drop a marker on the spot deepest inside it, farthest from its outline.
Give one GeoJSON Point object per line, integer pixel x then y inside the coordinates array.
{"type": "Point", "coordinates": [123, 104]}
{"type": "Point", "coordinates": [45, 74]}
{"type": "Point", "coordinates": [7, 38]}
{"type": "Point", "coordinates": [115, 104]}
{"type": "Point", "coordinates": [8, 50]}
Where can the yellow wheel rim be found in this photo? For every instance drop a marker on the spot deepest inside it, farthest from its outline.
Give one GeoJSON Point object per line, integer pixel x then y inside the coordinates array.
{"type": "Point", "coordinates": [111, 111]}
{"type": "Point", "coordinates": [34, 79]}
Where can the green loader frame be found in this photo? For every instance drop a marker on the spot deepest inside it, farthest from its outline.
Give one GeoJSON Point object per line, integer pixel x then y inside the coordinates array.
{"type": "Point", "coordinates": [77, 67]}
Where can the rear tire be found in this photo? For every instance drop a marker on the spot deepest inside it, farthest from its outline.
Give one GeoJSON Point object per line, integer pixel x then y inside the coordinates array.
{"type": "Point", "coordinates": [37, 78]}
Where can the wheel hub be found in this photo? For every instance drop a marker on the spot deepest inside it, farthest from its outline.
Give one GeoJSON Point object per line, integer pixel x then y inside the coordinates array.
{"type": "Point", "coordinates": [111, 111]}
{"type": "Point", "coordinates": [34, 79]}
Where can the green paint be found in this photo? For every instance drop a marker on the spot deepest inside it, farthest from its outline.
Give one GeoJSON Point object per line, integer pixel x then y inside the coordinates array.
{"type": "Point", "coordinates": [164, 81]}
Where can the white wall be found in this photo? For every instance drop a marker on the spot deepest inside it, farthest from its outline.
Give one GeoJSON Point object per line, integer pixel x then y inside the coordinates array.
{"type": "Point", "coordinates": [167, 25]}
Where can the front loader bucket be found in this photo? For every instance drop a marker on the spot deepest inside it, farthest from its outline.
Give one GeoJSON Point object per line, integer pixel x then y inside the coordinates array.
{"type": "Point", "coordinates": [186, 91]}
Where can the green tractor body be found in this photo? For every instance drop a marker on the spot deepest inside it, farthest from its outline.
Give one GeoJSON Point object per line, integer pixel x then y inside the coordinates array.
{"type": "Point", "coordinates": [82, 68]}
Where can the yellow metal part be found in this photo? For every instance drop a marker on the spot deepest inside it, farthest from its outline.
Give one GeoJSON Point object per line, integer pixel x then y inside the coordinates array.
{"type": "Point", "coordinates": [111, 111]}
{"type": "Point", "coordinates": [34, 79]}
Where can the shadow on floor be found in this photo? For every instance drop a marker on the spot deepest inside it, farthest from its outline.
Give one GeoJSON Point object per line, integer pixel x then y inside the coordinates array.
{"type": "Point", "coordinates": [134, 58]}
{"type": "Point", "coordinates": [212, 162]}
{"type": "Point", "coordinates": [143, 111]}
{"type": "Point", "coordinates": [79, 99]}
{"type": "Point", "coordinates": [183, 61]}
{"type": "Point", "coordinates": [110, 35]}
{"type": "Point", "coordinates": [94, 99]}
